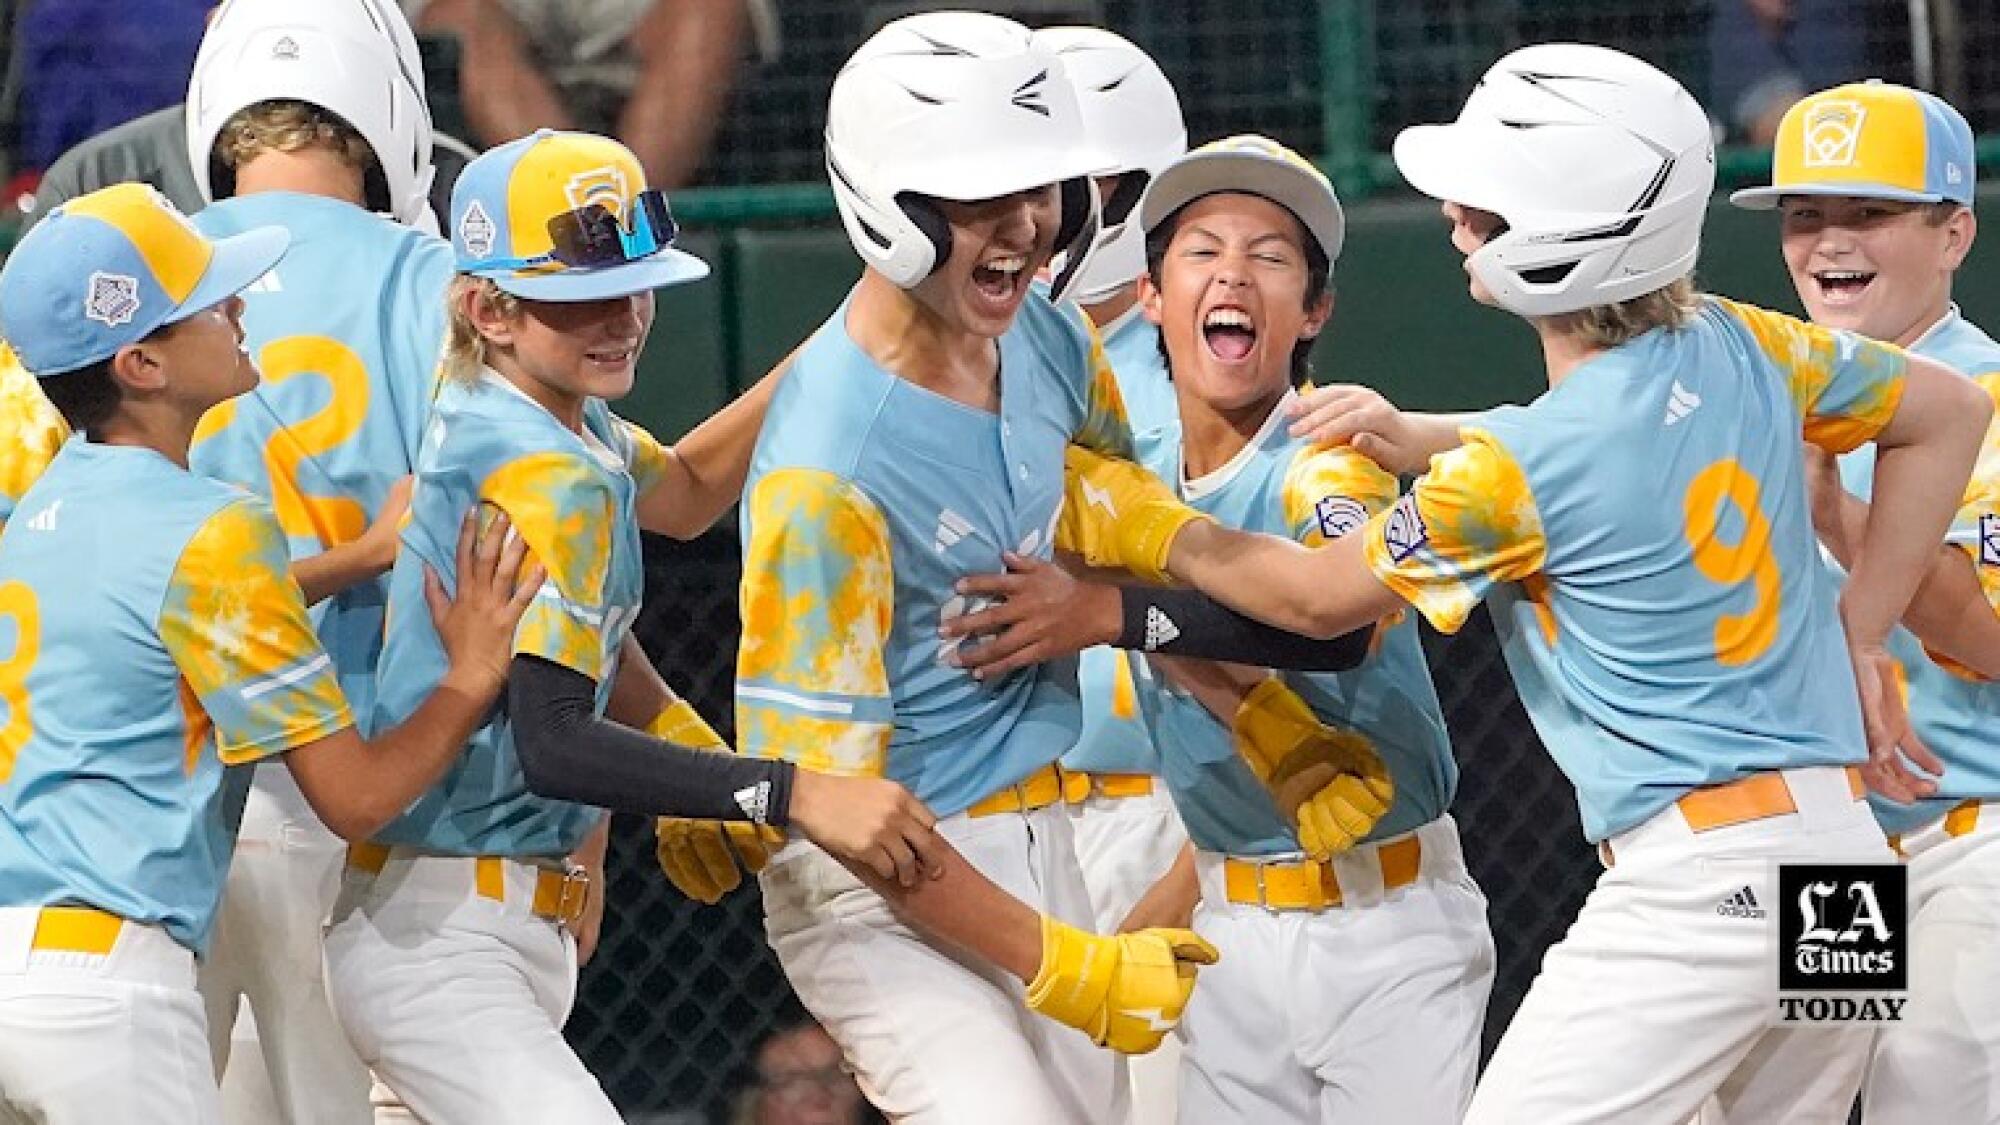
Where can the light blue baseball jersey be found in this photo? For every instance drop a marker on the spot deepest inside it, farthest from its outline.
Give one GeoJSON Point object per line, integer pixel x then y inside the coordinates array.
{"type": "Point", "coordinates": [1666, 617]}
{"type": "Point", "coordinates": [571, 498]}
{"type": "Point", "coordinates": [1281, 485]}
{"type": "Point", "coordinates": [868, 497]}
{"type": "Point", "coordinates": [1953, 709]}
{"type": "Point", "coordinates": [1114, 738]}
{"type": "Point", "coordinates": [152, 635]}
{"type": "Point", "coordinates": [346, 332]}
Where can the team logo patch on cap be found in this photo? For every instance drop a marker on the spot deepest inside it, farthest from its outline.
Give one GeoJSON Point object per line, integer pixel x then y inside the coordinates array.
{"type": "Point", "coordinates": [476, 231]}
{"type": "Point", "coordinates": [1338, 515]}
{"type": "Point", "coordinates": [1404, 532]}
{"type": "Point", "coordinates": [1832, 134]}
{"type": "Point", "coordinates": [112, 299]}
{"type": "Point", "coordinates": [603, 186]}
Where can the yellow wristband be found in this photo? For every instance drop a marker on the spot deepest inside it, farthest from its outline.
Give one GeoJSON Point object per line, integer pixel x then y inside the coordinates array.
{"type": "Point", "coordinates": [1075, 975]}
{"type": "Point", "coordinates": [681, 725]}
{"type": "Point", "coordinates": [1271, 723]}
{"type": "Point", "coordinates": [1147, 534]}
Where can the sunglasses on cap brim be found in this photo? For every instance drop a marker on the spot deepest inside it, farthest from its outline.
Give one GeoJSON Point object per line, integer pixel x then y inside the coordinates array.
{"type": "Point", "coordinates": [590, 237]}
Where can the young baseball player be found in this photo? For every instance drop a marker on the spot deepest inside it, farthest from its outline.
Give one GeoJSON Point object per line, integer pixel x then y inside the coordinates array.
{"type": "Point", "coordinates": [1241, 236]}
{"type": "Point", "coordinates": [919, 433]}
{"type": "Point", "coordinates": [1127, 833]}
{"type": "Point", "coordinates": [153, 637]}
{"type": "Point", "coordinates": [303, 116]}
{"type": "Point", "coordinates": [449, 960]}
{"type": "Point", "coordinates": [1873, 185]}
{"type": "Point", "coordinates": [1641, 533]}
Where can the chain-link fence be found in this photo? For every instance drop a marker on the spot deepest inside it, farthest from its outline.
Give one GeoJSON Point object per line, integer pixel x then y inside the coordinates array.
{"type": "Point", "coordinates": [680, 994]}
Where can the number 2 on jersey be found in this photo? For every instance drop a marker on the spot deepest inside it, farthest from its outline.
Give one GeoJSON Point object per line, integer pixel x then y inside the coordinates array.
{"type": "Point", "coordinates": [1739, 638]}
{"type": "Point", "coordinates": [18, 606]}
{"type": "Point", "coordinates": [332, 520]}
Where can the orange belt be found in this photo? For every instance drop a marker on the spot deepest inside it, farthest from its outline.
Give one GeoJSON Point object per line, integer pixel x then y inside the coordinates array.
{"type": "Point", "coordinates": [560, 895]}
{"type": "Point", "coordinates": [1757, 797]}
{"type": "Point", "coordinates": [75, 929]}
{"type": "Point", "coordinates": [1310, 884]}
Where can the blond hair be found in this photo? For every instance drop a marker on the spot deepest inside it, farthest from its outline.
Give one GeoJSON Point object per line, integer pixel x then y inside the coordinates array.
{"type": "Point", "coordinates": [284, 125]}
{"type": "Point", "coordinates": [464, 348]}
{"type": "Point", "coordinates": [1607, 326]}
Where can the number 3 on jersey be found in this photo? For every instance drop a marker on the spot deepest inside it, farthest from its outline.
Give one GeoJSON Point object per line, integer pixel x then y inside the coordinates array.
{"type": "Point", "coordinates": [332, 520]}
{"type": "Point", "coordinates": [1739, 638]}
{"type": "Point", "coordinates": [20, 624]}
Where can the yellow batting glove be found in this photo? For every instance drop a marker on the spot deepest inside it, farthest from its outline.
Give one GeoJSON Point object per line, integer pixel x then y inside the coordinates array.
{"type": "Point", "coordinates": [705, 858]}
{"type": "Point", "coordinates": [1116, 514]}
{"type": "Point", "coordinates": [1124, 991]}
{"type": "Point", "coordinates": [1330, 782]}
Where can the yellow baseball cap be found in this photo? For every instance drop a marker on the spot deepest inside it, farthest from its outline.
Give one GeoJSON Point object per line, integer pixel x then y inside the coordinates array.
{"type": "Point", "coordinates": [1874, 140]}
{"type": "Point", "coordinates": [560, 216]}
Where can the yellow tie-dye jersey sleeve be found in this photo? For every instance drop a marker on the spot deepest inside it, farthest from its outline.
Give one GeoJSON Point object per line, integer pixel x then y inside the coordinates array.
{"type": "Point", "coordinates": [1468, 523]}
{"type": "Point", "coordinates": [1846, 387]}
{"type": "Point", "coordinates": [1975, 529]}
{"type": "Point", "coordinates": [236, 626]}
{"type": "Point", "coordinates": [646, 459]}
{"type": "Point", "coordinates": [817, 598]}
{"type": "Point", "coordinates": [1107, 427]}
{"type": "Point", "coordinates": [563, 507]}
{"type": "Point", "coordinates": [1329, 493]}
{"type": "Point", "coordinates": [34, 431]}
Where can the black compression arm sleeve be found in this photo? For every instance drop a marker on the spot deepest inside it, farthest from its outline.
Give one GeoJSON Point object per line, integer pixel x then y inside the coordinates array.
{"type": "Point", "coordinates": [1179, 622]}
{"type": "Point", "coordinates": [569, 754]}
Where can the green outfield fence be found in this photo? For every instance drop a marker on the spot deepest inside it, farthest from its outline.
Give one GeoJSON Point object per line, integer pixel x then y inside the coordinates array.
{"type": "Point", "coordinates": [679, 994]}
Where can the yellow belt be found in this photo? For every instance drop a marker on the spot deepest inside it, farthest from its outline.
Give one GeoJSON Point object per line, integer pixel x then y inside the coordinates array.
{"type": "Point", "coordinates": [1310, 884]}
{"type": "Point", "coordinates": [1116, 786]}
{"type": "Point", "coordinates": [75, 929]}
{"type": "Point", "coordinates": [1038, 790]}
{"type": "Point", "coordinates": [1757, 797]}
{"type": "Point", "coordinates": [559, 895]}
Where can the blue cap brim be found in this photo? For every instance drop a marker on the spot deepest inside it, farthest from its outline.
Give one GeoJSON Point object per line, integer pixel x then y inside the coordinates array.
{"type": "Point", "coordinates": [656, 271]}
{"type": "Point", "coordinates": [1765, 198]}
{"type": "Point", "coordinates": [239, 261]}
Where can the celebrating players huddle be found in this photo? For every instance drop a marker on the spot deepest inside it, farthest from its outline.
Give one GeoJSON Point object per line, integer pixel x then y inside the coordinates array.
{"type": "Point", "coordinates": [1078, 661]}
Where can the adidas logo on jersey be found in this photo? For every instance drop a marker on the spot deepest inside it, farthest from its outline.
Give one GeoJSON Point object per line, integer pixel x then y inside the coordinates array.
{"type": "Point", "coordinates": [1742, 904]}
{"type": "Point", "coordinates": [755, 801]}
{"type": "Point", "coordinates": [951, 527]}
{"type": "Point", "coordinates": [1160, 629]}
{"type": "Point", "coordinates": [44, 520]}
{"type": "Point", "coordinates": [1681, 403]}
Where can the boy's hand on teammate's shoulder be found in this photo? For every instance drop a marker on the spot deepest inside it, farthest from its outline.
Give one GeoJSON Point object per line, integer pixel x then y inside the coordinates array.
{"type": "Point", "coordinates": [496, 582]}
{"type": "Point", "coordinates": [1364, 421]}
{"type": "Point", "coordinates": [872, 822]}
{"type": "Point", "coordinates": [1035, 612]}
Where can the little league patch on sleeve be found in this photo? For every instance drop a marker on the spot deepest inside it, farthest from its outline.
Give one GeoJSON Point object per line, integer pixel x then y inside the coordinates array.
{"type": "Point", "coordinates": [1404, 533]}
{"type": "Point", "coordinates": [1989, 540]}
{"type": "Point", "coordinates": [1339, 515]}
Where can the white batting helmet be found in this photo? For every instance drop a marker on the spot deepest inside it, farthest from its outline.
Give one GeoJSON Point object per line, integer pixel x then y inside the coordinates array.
{"type": "Point", "coordinates": [960, 106]}
{"type": "Point", "coordinates": [353, 58]}
{"type": "Point", "coordinates": [1132, 115]}
{"type": "Point", "coordinates": [1600, 165]}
